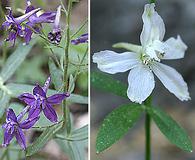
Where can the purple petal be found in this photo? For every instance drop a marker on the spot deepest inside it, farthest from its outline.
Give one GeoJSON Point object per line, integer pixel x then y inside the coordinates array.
{"type": "Point", "coordinates": [56, 27]}
{"type": "Point", "coordinates": [26, 16]}
{"type": "Point", "coordinates": [34, 112]}
{"type": "Point", "coordinates": [28, 35]}
{"type": "Point", "coordinates": [20, 138]}
{"type": "Point", "coordinates": [28, 123]}
{"type": "Point", "coordinates": [57, 98]}
{"type": "Point", "coordinates": [27, 98]}
{"type": "Point", "coordinates": [82, 39]}
{"type": "Point", "coordinates": [7, 138]}
{"type": "Point", "coordinates": [47, 17]}
{"type": "Point", "coordinates": [46, 85]}
{"type": "Point", "coordinates": [39, 91]}
{"type": "Point", "coordinates": [49, 112]}
{"type": "Point", "coordinates": [11, 115]}
{"type": "Point", "coordinates": [29, 7]}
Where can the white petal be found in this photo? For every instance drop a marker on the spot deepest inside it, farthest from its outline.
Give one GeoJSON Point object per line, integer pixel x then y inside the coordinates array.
{"type": "Point", "coordinates": [174, 48]}
{"type": "Point", "coordinates": [153, 28]}
{"type": "Point", "coordinates": [172, 80]}
{"type": "Point", "coordinates": [112, 62]}
{"type": "Point", "coordinates": [141, 83]}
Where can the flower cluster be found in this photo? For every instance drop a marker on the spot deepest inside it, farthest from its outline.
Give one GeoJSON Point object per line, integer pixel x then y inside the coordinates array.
{"type": "Point", "coordinates": [30, 22]}
{"type": "Point", "coordinates": [145, 60]}
{"type": "Point", "coordinates": [36, 102]}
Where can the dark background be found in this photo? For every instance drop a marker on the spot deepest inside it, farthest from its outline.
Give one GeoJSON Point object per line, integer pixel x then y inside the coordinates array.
{"type": "Point", "coordinates": [115, 21]}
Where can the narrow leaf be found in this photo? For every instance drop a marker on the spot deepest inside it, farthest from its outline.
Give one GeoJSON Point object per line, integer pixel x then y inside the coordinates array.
{"type": "Point", "coordinates": [79, 134]}
{"type": "Point", "coordinates": [108, 84]}
{"type": "Point", "coordinates": [4, 100]}
{"type": "Point", "coordinates": [116, 125]}
{"type": "Point", "coordinates": [43, 139]}
{"type": "Point", "coordinates": [71, 84]}
{"type": "Point", "coordinates": [56, 74]}
{"type": "Point", "coordinates": [15, 60]}
{"type": "Point", "coordinates": [171, 129]}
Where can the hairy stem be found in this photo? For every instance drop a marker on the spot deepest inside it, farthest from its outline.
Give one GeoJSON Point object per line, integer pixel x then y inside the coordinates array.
{"type": "Point", "coordinates": [147, 130]}
{"type": "Point", "coordinates": [66, 111]}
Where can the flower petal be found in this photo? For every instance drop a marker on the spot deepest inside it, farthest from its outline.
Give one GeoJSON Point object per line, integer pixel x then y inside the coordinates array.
{"type": "Point", "coordinates": [27, 98]}
{"type": "Point", "coordinates": [28, 123]}
{"type": "Point", "coordinates": [112, 62]}
{"type": "Point", "coordinates": [57, 98]}
{"type": "Point", "coordinates": [172, 80]}
{"type": "Point", "coordinates": [174, 48]}
{"type": "Point", "coordinates": [141, 83]}
{"type": "Point", "coordinates": [26, 16]}
{"type": "Point", "coordinates": [39, 91]}
{"type": "Point", "coordinates": [49, 112]}
{"type": "Point", "coordinates": [47, 83]}
{"type": "Point", "coordinates": [153, 28]}
{"type": "Point", "coordinates": [56, 27]}
{"type": "Point", "coordinates": [7, 138]}
{"type": "Point", "coordinates": [34, 112]}
{"type": "Point", "coordinates": [11, 115]}
{"type": "Point", "coordinates": [20, 137]}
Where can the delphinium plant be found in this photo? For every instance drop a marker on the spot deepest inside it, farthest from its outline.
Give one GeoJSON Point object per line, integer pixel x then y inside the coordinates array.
{"type": "Point", "coordinates": [25, 107]}
{"type": "Point", "coordinates": [143, 62]}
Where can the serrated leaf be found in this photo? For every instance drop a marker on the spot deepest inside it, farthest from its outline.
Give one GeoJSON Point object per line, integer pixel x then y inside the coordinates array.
{"type": "Point", "coordinates": [128, 46]}
{"type": "Point", "coordinates": [108, 84]}
{"type": "Point", "coordinates": [40, 142]}
{"type": "Point", "coordinates": [171, 129]}
{"type": "Point", "coordinates": [18, 89]}
{"type": "Point", "coordinates": [15, 60]}
{"type": "Point", "coordinates": [56, 74]}
{"type": "Point", "coordinates": [116, 125]}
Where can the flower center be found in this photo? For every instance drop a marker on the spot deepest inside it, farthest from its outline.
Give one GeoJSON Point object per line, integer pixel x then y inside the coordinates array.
{"type": "Point", "coordinates": [55, 38]}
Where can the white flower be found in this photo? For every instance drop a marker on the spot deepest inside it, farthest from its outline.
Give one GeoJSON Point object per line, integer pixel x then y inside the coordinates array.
{"type": "Point", "coordinates": [146, 61]}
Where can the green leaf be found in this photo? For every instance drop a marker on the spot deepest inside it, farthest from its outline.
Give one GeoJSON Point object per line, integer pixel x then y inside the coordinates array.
{"type": "Point", "coordinates": [171, 129]}
{"type": "Point", "coordinates": [17, 89]}
{"type": "Point", "coordinates": [128, 46]}
{"type": "Point", "coordinates": [79, 134]}
{"type": "Point", "coordinates": [71, 84]}
{"type": "Point", "coordinates": [15, 60]}
{"type": "Point", "coordinates": [108, 84]}
{"type": "Point", "coordinates": [75, 150]}
{"type": "Point", "coordinates": [43, 139]}
{"type": "Point", "coordinates": [4, 100]}
{"type": "Point", "coordinates": [56, 74]}
{"type": "Point", "coordinates": [116, 125]}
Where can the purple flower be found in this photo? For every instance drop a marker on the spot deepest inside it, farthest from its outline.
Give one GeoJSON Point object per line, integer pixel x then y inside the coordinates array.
{"type": "Point", "coordinates": [38, 101]}
{"type": "Point", "coordinates": [13, 25]}
{"type": "Point", "coordinates": [82, 39]}
{"type": "Point", "coordinates": [34, 21]}
{"type": "Point", "coordinates": [13, 127]}
{"type": "Point", "coordinates": [55, 35]}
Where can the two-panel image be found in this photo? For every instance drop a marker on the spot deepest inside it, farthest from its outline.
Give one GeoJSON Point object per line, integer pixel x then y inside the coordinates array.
{"type": "Point", "coordinates": [97, 80]}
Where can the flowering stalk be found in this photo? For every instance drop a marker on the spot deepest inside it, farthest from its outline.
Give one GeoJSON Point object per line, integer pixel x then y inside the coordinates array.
{"type": "Point", "coordinates": [148, 103]}
{"type": "Point", "coordinates": [147, 130]}
{"type": "Point", "coordinates": [66, 61]}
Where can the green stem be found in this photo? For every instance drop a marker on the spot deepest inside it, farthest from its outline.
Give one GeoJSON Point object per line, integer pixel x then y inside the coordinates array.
{"type": "Point", "coordinates": [152, 1]}
{"type": "Point", "coordinates": [66, 60]}
{"type": "Point", "coordinates": [148, 103]}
